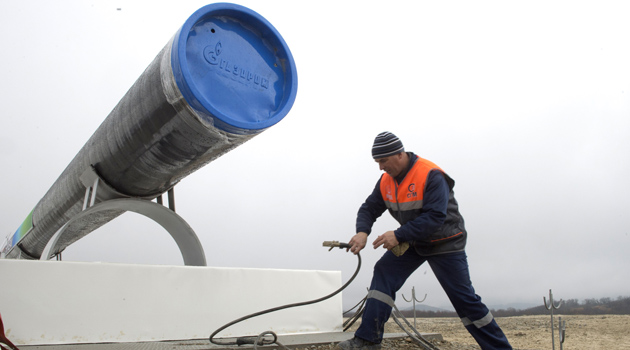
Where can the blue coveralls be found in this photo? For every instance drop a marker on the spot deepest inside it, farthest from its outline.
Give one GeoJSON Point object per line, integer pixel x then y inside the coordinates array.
{"type": "Point", "coordinates": [450, 268]}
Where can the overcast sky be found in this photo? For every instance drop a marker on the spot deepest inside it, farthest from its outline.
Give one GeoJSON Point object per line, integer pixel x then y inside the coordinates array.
{"type": "Point", "coordinates": [525, 104]}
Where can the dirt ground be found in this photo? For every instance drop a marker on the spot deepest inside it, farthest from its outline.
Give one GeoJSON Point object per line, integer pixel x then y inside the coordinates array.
{"type": "Point", "coordinates": [606, 332]}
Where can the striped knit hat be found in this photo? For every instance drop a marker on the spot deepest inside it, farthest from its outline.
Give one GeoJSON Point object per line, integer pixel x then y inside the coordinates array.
{"type": "Point", "coordinates": [386, 144]}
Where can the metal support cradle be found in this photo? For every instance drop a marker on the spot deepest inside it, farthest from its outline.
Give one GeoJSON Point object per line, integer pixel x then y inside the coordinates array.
{"type": "Point", "coordinates": [101, 200]}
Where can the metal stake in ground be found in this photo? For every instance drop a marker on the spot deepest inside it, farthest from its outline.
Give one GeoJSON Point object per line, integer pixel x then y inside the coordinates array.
{"type": "Point", "coordinates": [413, 299]}
{"type": "Point", "coordinates": [551, 307]}
{"type": "Point", "coordinates": [562, 327]}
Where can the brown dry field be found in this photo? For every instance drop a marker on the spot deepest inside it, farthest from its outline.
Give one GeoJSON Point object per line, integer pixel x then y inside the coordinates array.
{"type": "Point", "coordinates": [606, 332]}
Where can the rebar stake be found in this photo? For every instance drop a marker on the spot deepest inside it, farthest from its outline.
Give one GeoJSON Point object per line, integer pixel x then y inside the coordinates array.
{"type": "Point", "coordinates": [562, 326]}
{"type": "Point", "coordinates": [413, 299]}
{"type": "Point", "coordinates": [551, 307]}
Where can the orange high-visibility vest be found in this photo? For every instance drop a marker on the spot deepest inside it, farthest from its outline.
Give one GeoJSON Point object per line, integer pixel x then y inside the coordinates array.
{"type": "Point", "coordinates": [407, 196]}
{"type": "Point", "coordinates": [405, 200]}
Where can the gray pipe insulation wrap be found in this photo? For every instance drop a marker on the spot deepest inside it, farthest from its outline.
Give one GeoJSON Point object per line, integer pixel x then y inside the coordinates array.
{"type": "Point", "coordinates": [224, 77]}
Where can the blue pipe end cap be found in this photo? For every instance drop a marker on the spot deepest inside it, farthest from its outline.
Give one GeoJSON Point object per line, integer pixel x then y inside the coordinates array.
{"type": "Point", "coordinates": [232, 66]}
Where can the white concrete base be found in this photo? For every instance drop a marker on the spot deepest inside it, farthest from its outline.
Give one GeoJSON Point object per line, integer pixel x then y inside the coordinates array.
{"type": "Point", "coordinates": [53, 302]}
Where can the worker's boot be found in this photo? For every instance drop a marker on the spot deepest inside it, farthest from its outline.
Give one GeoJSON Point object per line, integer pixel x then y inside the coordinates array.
{"type": "Point", "coordinates": [358, 343]}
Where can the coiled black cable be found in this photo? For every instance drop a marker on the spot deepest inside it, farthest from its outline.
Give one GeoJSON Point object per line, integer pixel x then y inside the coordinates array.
{"type": "Point", "coordinates": [357, 315]}
{"type": "Point", "coordinates": [259, 340]}
{"type": "Point", "coordinates": [396, 316]}
{"type": "Point", "coordinates": [416, 337]}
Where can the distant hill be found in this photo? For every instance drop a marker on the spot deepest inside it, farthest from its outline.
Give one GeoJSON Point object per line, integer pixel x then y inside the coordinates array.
{"type": "Point", "coordinates": [421, 307]}
{"type": "Point", "coordinates": [517, 306]}
{"type": "Point", "coordinates": [603, 306]}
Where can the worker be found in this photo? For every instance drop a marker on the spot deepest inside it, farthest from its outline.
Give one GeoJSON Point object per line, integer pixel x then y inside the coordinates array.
{"type": "Point", "coordinates": [419, 195]}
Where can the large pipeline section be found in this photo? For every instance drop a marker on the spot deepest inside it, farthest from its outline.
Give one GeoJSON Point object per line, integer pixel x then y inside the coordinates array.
{"type": "Point", "coordinates": [224, 77]}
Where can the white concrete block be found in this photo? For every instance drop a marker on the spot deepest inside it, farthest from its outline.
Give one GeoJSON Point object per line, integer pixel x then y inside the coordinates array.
{"type": "Point", "coordinates": [53, 302]}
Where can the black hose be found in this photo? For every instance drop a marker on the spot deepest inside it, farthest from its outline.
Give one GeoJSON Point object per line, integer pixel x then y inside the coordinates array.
{"type": "Point", "coordinates": [359, 305]}
{"type": "Point", "coordinates": [350, 321]}
{"type": "Point", "coordinates": [258, 339]}
{"type": "Point", "coordinates": [396, 316]}
{"type": "Point", "coordinates": [417, 337]}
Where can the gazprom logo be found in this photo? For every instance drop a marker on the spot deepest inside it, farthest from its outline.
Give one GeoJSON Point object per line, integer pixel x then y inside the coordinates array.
{"type": "Point", "coordinates": [241, 73]}
{"type": "Point", "coordinates": [411, 191]}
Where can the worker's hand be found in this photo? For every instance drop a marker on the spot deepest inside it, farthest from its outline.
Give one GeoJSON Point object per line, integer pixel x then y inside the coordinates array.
{"type": "Point", "coordinates": [358, 242]}
{"type": "Point", "coordinates": [387, 240]}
